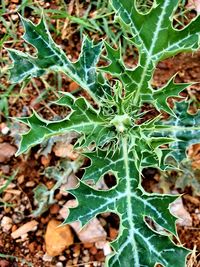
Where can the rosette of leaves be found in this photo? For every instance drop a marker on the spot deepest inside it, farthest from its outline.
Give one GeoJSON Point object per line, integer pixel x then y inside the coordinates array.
{"type": "Point", "coordinates": [122, 144]}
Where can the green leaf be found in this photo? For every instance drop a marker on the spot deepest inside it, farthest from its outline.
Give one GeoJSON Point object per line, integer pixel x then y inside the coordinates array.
{"type": "Point", "coordinates": [83, 119]}
{"type": "Point", "coordinates": [50, 56]}
{"type": "Point", "coordinates": [185, 128]}
{"type": "Point", "coordinates": [114, 57]}
{"type": "Point", "coordinates": [133, 205]}
{"type": "Point", "coordinates": [117, 137]}
{"type": "Point", "coordinates": [149, 152]}
{"type": "Point", "coordinates": [160, 96]}
{"type": "Point", "coordinates": [156, 39]}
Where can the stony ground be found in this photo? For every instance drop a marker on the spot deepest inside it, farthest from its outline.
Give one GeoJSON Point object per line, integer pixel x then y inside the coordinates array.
{"type": "Point", "coordinates": [33, 200]}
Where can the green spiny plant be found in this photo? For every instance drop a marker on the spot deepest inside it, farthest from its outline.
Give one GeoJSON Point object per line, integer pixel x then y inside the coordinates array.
{"type": "Point", "coordinates": [115, 135]}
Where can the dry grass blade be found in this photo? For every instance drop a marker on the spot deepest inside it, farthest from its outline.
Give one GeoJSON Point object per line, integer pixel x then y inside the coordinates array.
{"type": "Point", "coordinates": [193, 261]}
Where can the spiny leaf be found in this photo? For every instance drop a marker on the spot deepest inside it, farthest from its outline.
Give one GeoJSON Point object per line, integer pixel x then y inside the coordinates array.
{"type": "Point", "coordinates": [114, 57]}
{"type": "Point", "coordinates": [122, 145]}
{"type": "Point", "coordinates": [51, 57]}
{"type": "Point", "coordinates": [160, 96]}
{"type": "Point", "coordinates": [105, 161]}
{"type": "Point", "coordinates": [156, 39]}
{"type": "Point", "coordinates": [185, 128]}
{"type": "Point", "coordinates": [153, 33]}
{"type": "Point", "coordinates": [133, 205]}
{"type": "Point", "coordinates": [83, 119]}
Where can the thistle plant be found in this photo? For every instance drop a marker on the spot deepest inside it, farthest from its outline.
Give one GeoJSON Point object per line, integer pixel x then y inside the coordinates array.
{"type": "Point", "coordinates": [113, 133]}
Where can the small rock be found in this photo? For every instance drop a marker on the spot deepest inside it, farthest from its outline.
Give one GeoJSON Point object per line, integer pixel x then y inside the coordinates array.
{"type": "Point", "coordinates": [13, 192]}
{"type": "Point", "coordinates": [62, 258]}
{"type": "Point", "coordinates": [45, 160]}
{"type": "Point", "coordinates": [7, 197]}
{"type": "Point", "coordinates": [177, 209]}
{"type": "Point", "coordinates": [39, 233]}
{"type": "Point", "coordinates": [196, 211]}
{"type": "Point", "coordinates": [5, 169]}
{"type": "Point", "coordinates": [57, 238]}
{"type": "Point", "coordinates": [59, 264]}
{"type": "Point", "coordinates": [100, 244]}
{"type": "Point", "coordinates": [46, 257]}
{"type": "Point", "coordinates": [14, 17]}
{"type": "Point", "coordinates": [24, 229]}
{"type": "Point", "coordinates": [73, 86]}
{"type": "Point", "coordinates": [76, 250]}
{"type": "Point", "coordinates": [101, 185]}
{"type": "Point", "coordinates": [4, 263]}
{"type": "Point", "coordinates": [64, 211]}
{"type": "Point", "coordinates": [49, 184]}
{"type": "Point", "coordinates": [14, 228]}
{"type": "Point", "coordinates": [32, 246]}
{"type": "Point", "coordinates": [54, 209]}
{"type": "Point", "coordinates": [91, 233]}
{"type": "Point", "coordinates": [93, 250]}
{"type": "Point", "coordinates": [85, 252]}
{"type": "Point", "coordinates": [193, 4]}
{"type": "Point", "coordinates": [11, 186]}
{"type": "Point", "coordinates": [4, 129]}
{"type": "Point", "coordinates": [86, 259]}
{"type": "Point", "coordinates": [6, 223]}
{"type": "Point", "coordinates": [74, 262]}
{"type": "Point", "coordinates": [30, 184]}
{"type": "Point", "coordinates": [107, 249]}
{"type": "Point", "coordinates": [23, 237]}
{"type": "Point", "coordinates": [113, 233]}
{"type": "Point", "coordinates": [6, 151]}
{"type": "Point", "coordinates": [20, 179]}
{"type": "Point", "coordinates": [100, 256]}
{"type": "Point", "coordinates": [58, 196]}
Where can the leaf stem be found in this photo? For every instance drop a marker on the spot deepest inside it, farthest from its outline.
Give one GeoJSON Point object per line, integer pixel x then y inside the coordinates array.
{"type": "Point", "coordinates": [129, 206]}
